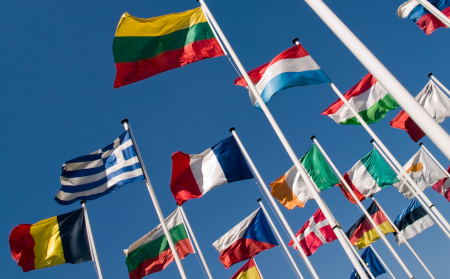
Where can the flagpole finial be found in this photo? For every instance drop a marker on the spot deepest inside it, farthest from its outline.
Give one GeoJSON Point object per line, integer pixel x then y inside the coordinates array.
{"type": "Point", "coordinates": [430, 74]}
{"type": "Point", "coordinates": [313, 137]}
{"type": "Point", "coordinates": [83, 202]}
{"type": "Point", "coordinates": [420, 144]}
{"type": "Point", "coordinates": [372, 140]}
{"type": "Point", "coordinates": [295, 41]}
{"type": "Point", "coordinates": [124, 121]}
{"type": "Point", "coordinates": [258, 200]}
{"type": "Point", "coordinates": [232, 129]}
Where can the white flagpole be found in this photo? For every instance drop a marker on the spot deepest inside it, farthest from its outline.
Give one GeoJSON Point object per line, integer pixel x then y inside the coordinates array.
{"type": "Point", "coordinates": [404, 239]}
{"type": "Point", "coordinates": [360, 259]}
{"type": "Point", "coordinates": [284, 141]}
{"type": "Point", "coordinates": [435, 11]}
{"type": "Point", "coordinates": [420, 116]}
{"type": "Point", "coordinates": [367, 215]}
{"type": "Point", "coordinates": [279, 238]}
{"type": "Point", "coordinates": [91, 240]}
{"type": "Point", "coordinates": [257, 268]}
{"type": "Point", "coordinates": [275, 206]}
{"type": "Point", "coordinates": [381, 260]}
{"type": "Point", "coordinates": [155, 203]}
{"type": "Point", "coordinates": [195, 242]}
{"type": "Point", "coordinates": [439, 83]}
{"type": "Point", "coordinates": [434, 159]}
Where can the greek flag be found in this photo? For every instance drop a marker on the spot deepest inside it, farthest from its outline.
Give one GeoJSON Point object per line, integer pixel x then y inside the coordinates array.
{"type": "Point", "coordinates": [101, 172]}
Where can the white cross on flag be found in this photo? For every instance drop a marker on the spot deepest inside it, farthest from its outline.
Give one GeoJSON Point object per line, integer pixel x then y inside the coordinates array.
{"type": "Point", "coordinates": [314, 233]}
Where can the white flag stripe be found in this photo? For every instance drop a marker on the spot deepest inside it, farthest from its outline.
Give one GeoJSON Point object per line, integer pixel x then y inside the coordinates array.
{"type": "Point", "coordinates": [314, 228]}
{"type": "Point", "coordinates": [207, 171]}
{"type": "Point", "coordinates": [362, 180]}
{"type": "Point", "coordinates": [84, 165]}
{"type": "Point", "coordinates": [414, 229]}
{"type": "Point", "coordinates": [298, 186]}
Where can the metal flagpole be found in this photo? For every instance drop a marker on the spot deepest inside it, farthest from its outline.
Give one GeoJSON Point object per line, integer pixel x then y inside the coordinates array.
{"type": "Point", "coordinates": [404, 239]}
{"type": "Point", "coordinates": [422, 202]}
{"type": "Point", "coordinates": [360, 259]}
{"type": "Point", "coordinates": [381, 260]}
{"type": "Point", "coordinates": [421, 117]}
{"type": "Point", "coordinates": [367, 215]}
{"type": "Point", "coordinates": [439, 83]}
{"type": "Point", "coordinates": [279, 237]}
{"type": "Point", "coordinates": [155, 202]}
{"type": "Point", "coordinates": [434, 159]}
{"type": "Point", "coordinates": [91, 240]}
{"type": "Point", "coordinates": [195, 242]}
{"type": "Point", "coordinates": [275, 206]}
{"type": "Point", "coordinates": [284, 141]}
{"type": "Point", "coordinates": [435, 11]}
{"type": "Point", "coordinates": [257, 268]}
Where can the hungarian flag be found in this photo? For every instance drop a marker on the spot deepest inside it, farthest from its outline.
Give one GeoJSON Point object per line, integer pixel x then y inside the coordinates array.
{"type": "Point", "coordinates": [443, 187]}
{"type": "Point", "coordinates": [370, 100]}
{"type": "Point", "coordinates": [314, 233]}
{"type": "Point", "coordinates": [362, 233]}
{"type": "Point", "coordinates": [434, 101]}
{"type": "Point", "coordinates": [368, 176]}
{"type": "Point", "coordinates": [291, 190]}
{"type": "Point", "coordinates": [146, 47]}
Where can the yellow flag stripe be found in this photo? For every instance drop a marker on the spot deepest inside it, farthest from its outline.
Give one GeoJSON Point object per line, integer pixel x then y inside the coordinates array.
{"type": "Point", "coordinates": [372, 235]}
{"type": "Point", "coordinates": [251, 273]}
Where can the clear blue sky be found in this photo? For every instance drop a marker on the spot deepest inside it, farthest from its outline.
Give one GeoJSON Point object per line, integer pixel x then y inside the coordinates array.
{"type": "Point", "coordinates": [57, 73]}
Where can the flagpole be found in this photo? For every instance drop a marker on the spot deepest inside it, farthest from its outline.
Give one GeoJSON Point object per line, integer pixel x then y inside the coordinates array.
{"type": "Point", "coordinates": [257, 268]}
{"type": "Point", "coordinates": [436, 12]}
{"type": "Point", "coordinates": [155, 203]}
{"type": "Point", "coordinates": [283, 139]}
{"type": "Point", "coordinates": [195, 242]}
{"type": "Point", "coordinates": [439, 83]}
{"type": "Point", "coordinates": [91, 240]}
{"type": "Point", "coordinates": [360, 259]}
{"type": "Point", "coordinates": [279, 237]}
{"type": "Point", "coordinates": [275, 206]}
{"type": "Point", "coordinates": [381, 260]}
{"type": "Point", "coordinates": [367, 215]}
{"type": "Point", "coordinates": [404, 239]}
{"type": "Point", "coordinates": [417, 113]}
{"type": "Point", "coordinates": [434, 159]}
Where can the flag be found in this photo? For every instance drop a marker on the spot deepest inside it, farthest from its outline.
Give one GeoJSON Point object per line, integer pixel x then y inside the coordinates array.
{"type": "Point", "coordinates": [362, 233]}
{"type": "Point", "coordinates": [194, 175]}
{"type": "Point", "coordinates": [102, 172]}
{"type": "Point", "coordinates": [412, 221]}
{"type": "Point", "coordinates": [248, 271]}
{"type": "Point", "coordinates": [245, 240]}
{"type": "Point", "coordinates": [292, 67]}
{"type": "Point", "coordinates": [423, 170]}
{"type": "Point", "coordinates": [368, 176]}
{"type": "Point", "coordinates": [146, 47]}
{"type": "Point", "coordinates": [368, 97]}
{"type": "Point", "coordinates": [372, 262]}
{"type": "Point", "coordinates": [443, 186]}
{"type": "Point", "coordinates": [434, 101]}
{"type": "Point", "coordinates": [290, 189]}
{"type": "Point", "coordinates": [53, 241]}
{"type": "Point", "coordinates": [152, 252]}
{"type": "Point", "coordinates": [421, 16]}
{"type": "Point", "coordinates": [314, 233]}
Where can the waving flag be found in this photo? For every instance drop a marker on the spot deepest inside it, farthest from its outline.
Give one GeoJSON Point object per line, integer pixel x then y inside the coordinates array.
{"type": "Point", "coordinates": [421, 16]}
{"type": "Point", "coordinates": [293, 67]}
{"type": "Point", "coordinates": [248, 271]}
{"type": "Point", "coordinates": [443, 187]}
{"type": "Point", "coordinates": [370, 100]}
{"type": "Point", "coordinates": [314, 233]}
{"type": "Point", "coordinates": [291, 190]}
{"type": "Point", "coordinates": [412, 221]}
{"type": "Point", "coordinates": [245, 240]}
{"type": "Point", "coordinates": [194, 175]}
{"type": "Point", "coordinates": [146, 47]}
{"type": "Point", "coordinates": [102, 172]}
{"type": "Point", "coordinates": [372, 262]}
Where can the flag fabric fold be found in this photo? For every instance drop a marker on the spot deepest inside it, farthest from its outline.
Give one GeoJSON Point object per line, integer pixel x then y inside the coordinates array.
{"type": "Point", "coordinates": [102, 172]}
{"type": "Point", "coordinates": [368, 97]}
{"type": "Point", "coordinates": [292, 67]}
{"type": "Point", "coordinates": [314, 233]}
{"type": "Point", "coordinates": [434, 101]}
{"type": "Point", "coordinates": [291, 190]}
{"type": "Point", "coordinates": [247, 271]}
{"type": "Point", "coordinates": [372, 262]}
{"type": "Point", "coordinates": [421, 16]}
{"type": "Point", "coordinates": [443, 187]}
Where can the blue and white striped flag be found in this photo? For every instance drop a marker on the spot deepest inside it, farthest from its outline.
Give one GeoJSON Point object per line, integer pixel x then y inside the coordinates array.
{"type": "Point", "coordinates": [101, 172]}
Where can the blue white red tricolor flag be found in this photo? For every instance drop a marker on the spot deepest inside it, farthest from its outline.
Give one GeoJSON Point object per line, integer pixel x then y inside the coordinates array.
{"type": "Point", "coordinates": [246, 239]}
{"type": "Point", "coordinates": [293, 67]}
{"type": "Point", "coordinates": [421, 16]}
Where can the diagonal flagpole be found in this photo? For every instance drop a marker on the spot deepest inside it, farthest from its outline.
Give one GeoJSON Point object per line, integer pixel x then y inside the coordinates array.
{"type": "Point", "coordinates": [91, 240]}
{"type": "Point", "coordinates": [434, 159]}
{"type": "Point", "coordinates": [432, 77]}
{"type": "Point", "coordinates": [155, 203]}
{"type": "Point", "coordinates": [382, 262]}
{"type": "Point", "coordinates": [257, 268]}
{"type": "Point", "coordinates": [435, 11]}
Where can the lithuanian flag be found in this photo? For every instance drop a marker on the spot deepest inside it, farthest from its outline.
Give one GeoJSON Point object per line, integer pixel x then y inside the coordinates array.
{"type": "Point", "coordinates": [248, 271]}
{"type": "Point", "coordinates": [54, 241]}
{"type": "Point", "coordinates": [146, 47]}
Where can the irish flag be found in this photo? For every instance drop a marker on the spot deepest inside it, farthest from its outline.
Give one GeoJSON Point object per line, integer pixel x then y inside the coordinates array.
{"type": "Point", "coordinates": [146, 47]}
{"type": "Point", "coordinates": [370, 100]}
{"type": "Point", "coordinates": [152, 252]}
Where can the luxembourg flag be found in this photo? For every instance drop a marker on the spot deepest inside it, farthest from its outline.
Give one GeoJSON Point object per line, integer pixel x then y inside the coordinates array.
{"type": "Point", "coordinates": [293, 67]}
{"type": "Point", "coordinates": [195, 174]}
{"type": "Point", "coordinates": [421, 16]}
{"type": "Point", "coordinates": [246, 239]}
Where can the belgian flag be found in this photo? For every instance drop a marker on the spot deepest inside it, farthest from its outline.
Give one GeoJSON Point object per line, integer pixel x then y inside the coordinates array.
{"type": "Point", "coordinates": [54, 241]}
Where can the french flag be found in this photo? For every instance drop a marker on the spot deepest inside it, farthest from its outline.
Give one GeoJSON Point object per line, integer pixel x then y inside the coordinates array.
{"type": "Point", "coordinates": [421, 16]}
{"type": "Point", "coordinates": [195, 174]}
{"type": "Point", "coordinates": [293, 67]}
{"type": "Point", "coordinates": [245, 240]}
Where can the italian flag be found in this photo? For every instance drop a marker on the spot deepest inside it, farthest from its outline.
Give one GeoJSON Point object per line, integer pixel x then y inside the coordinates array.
{"type": "Point", "coordinates": [368, 176]}
{"type": "Point", "coordinates": [152, 252]}
{"type": "Point", "coordinates": [370, 100]}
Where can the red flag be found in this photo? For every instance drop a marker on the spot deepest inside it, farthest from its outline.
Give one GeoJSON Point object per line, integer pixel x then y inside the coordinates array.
{"type": "Point", "coordinates": [403, 122]}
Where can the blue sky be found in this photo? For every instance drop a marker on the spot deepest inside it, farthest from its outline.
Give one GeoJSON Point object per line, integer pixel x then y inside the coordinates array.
{"type": "Point", "coordinates": [58, 103]}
